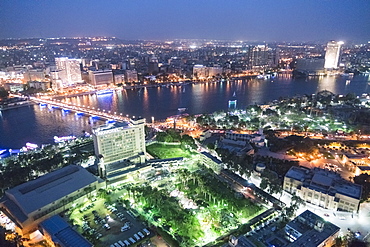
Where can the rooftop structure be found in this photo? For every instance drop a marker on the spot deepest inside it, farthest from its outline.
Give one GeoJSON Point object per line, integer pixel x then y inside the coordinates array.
{"type": "Point", "coordinates": [30, 203]}
{"type": "Point", "coordinates": [307, 229]}
{"type": "Point", "coordinates": [58, 231]}
{"type": "Point", "coordinates": [323, 188]}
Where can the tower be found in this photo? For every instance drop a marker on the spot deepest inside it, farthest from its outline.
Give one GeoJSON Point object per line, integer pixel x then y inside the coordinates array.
{"type": "Point", "coordinates": [332, 54]}
{"type": "Point", "coordinates": [117, 143]}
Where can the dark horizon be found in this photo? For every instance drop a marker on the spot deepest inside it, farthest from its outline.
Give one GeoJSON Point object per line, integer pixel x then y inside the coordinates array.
{"type": "Point", "coordinates": [249, 20]}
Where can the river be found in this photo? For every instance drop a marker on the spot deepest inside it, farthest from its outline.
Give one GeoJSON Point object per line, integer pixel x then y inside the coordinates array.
{"type": "Point", "coordinates": [38, 124]}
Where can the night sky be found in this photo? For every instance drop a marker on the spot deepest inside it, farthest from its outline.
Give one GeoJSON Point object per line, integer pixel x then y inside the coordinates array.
{"type": "Point", "coordinates": [262, 20]}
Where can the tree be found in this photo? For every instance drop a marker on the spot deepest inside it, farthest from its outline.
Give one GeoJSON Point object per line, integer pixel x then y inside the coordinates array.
{"type": "Point", "coordinates": [3, 93]}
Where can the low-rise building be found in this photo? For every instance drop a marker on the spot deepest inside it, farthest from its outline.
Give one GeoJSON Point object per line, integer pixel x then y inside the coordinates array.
{"type": "Point", "coordinates": [307, 229]}
{"type": "Point", "coordinates": [324, 188]}
{"type": "Point", "coordinates": [212, 162]}
{"type": "Point", "coordinates": [30, 203]}
{"type": "Point", "coordinates": [101, 77]}
{"type": "Point", "coordinates": [58, 233]}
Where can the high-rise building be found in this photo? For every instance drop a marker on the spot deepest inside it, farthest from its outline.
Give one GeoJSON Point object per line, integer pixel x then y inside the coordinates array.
{"type": "Point", "coordinates": [332, 54]}
{"type": "Point", "coordinates": [117, 143]}
{"type": "Point", "coordinates": [69, 71]}
{"type": "Point", "coordinates": [258, 57]}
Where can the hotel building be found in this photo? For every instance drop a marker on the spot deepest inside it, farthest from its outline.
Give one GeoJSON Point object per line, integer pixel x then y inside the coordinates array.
{"type": "Point", "coordinates": [118, 143]}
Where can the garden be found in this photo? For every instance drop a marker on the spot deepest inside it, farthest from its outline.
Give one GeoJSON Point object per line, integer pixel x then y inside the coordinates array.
{"type": "Point", "coordinates": [194, 210]}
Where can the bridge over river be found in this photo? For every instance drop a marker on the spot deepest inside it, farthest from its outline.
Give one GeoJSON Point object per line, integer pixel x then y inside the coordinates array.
{"type": "Point", "coordinates": [80, 109]}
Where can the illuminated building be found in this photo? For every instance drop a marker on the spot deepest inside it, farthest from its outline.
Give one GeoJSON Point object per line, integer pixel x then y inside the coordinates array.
{"type": "Point", "coordinates": [101, 77]}
{"type": "Point", "coordinates": [323, 188]}
{"type": "Point", "coordinates": [258, 57]}
{"type": "Point", "coordinates": [117, 143]}
{"type": "Point", "coordinates": [332, 54]}
{"type": "Point", "coordinates": [68, 71]}
{"type": "Point", "coordinates": [204, 72]}
{"type": "Point", "coordinates": [30, 203]}
{"type": "Point", "coordinates": [131, 76]}
{"type": "Point", "coordinates": [307, 229]}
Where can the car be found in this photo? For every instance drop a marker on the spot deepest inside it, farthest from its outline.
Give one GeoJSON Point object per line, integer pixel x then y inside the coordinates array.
{"type": "Point", "coordinates": [146, 231]}
{"type": "Point", "coordinates": [125, 228]}
{"type": "Point", "coordinates": [127, 242]}
{"type": "Point", "coordinates": [141, 234]}
{"type": "Point", "coordinates": [137, 237]}
{"type": "Point", "coordinates": [132, 240]}
{"type": "Point", "coordinates": [121, 243]}
{"type": "Point", "coordinates": [326, 215]}
{"type": "Point", "coordinates": [106, 227]}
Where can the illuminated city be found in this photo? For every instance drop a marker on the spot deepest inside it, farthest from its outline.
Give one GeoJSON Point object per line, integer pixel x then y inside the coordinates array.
{"type": "Point", "coordinates": [184, 125]}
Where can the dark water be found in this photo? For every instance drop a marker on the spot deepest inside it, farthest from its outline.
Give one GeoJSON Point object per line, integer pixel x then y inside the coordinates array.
{"type": "Point", "coordinates": [39, 124]}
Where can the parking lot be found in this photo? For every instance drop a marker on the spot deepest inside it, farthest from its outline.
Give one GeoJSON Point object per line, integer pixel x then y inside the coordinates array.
{"type": "Point", "coordinates": [111, 224]}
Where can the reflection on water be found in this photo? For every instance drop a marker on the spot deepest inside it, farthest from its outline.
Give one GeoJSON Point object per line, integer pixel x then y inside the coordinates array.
{"type": "Point", "coordinates": [40, 124]}
{"type": "Point", "coordinates": [162, 102]}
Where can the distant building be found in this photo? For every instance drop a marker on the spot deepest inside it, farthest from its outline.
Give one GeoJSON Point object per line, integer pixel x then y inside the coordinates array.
{"type": "Point", "coordinates": [68, 71]}
{"type": "Point", "coordinates": [258, 57]}
{"type": "Point", "coordinates": [323, 188]}
{"type": "Point", "coordinates": [307, 229]}
{"type": "Point", "coordinates": [119, 143]}
{"type": "Point", "coordinates": [34, 75]}
{"type": "Point", "coordinates": [30, 203]}
{"type": "Point", "coordinates": [332, 54]}
{"type": "Point", "coordinates": [310, 66]}
{"type": "Point", "coordinates": [100, 77]}
{"type": "Point", "coordinates": [14, 87]}
{"type": "Point", "coordinates": [200, 71]}
{"type": "Point", "coordinates": [203, 72]}
{"type": "Point", "coordinates": [42, 85]}
{"type": "Point", "coordinates": [214, 71]}
{"type": "Point", "coordinates": [131, 76]}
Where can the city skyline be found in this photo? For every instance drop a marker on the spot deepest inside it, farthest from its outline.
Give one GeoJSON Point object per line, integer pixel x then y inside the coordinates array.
{"type": "Point", "coordinates": [159, 20]}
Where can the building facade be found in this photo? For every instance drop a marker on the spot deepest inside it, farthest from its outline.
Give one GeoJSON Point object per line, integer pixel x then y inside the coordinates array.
{"type": "Point", "coordinates": [332, 54]}
{"type": "Point", "coordinates": [101, 77]}
{"type": "Point", "coordinates": [323, 188]}
{"type": "Point", "coordinates": [68, 71]}
{"type": "Point", "coordinates": [119, 142]}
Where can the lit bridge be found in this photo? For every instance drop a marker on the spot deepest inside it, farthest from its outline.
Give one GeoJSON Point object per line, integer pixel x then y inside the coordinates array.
{"type": "Point", "coordinates": [81, 109]}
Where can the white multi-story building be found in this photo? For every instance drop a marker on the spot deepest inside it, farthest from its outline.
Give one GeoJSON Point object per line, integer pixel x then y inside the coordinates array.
{"type": "Point", "coordinates": [117, 143]}
{"type": "Point", "coordinates": [332, 54]}
{"type": "Point", "coordinates": [323, 188]}
{"type": "Point", "coordinates": [203, 72]}
{"type": "Point", "coordinates": [68, 71]}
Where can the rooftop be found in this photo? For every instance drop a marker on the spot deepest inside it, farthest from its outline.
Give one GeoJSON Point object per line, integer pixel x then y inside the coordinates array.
{"type": "Point", "coordinates": [325, 181]}
{"type": "Point", "coordinates": [313, 228]}
{"type": "Point", "coordinates": [51, 187]}
{"type": "Point", "coordinates": [62, 233]}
